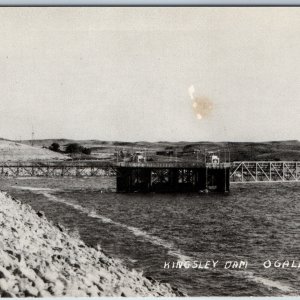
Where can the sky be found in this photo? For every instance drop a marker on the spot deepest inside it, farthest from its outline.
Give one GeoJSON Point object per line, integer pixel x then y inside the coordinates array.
{"type": "Point", "coordinates": [150, 74]}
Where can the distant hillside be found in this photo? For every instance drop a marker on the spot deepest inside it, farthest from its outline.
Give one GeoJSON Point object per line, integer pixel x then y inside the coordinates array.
{"type": "Point", "coordinates": [47, 142]}
{"type": "Point", "coordinates": [273, 150]}
{"type": "Point", "coordinates": [282, 150]}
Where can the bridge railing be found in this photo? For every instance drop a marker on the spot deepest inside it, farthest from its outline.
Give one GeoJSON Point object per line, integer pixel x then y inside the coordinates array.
{"type": "Point", "coordinates": [190, 164]}
{"type": "Point", "coordinates": [55, 163]}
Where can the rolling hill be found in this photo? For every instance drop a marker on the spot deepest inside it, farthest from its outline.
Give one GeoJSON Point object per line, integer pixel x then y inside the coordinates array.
{"type": "Point", "coordinates": [239, 151]}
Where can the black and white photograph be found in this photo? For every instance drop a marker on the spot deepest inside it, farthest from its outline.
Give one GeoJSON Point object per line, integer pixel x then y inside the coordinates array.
{"type": "Point", "coordinates": [149, 151]}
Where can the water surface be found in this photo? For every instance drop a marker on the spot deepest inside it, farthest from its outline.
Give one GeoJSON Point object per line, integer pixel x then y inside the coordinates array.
{"type": "Point", "coordinates": [256, 222]}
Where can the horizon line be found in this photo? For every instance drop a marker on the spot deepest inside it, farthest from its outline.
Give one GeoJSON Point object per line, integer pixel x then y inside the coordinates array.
{"type": "Point", "coordinates": [147, 141]}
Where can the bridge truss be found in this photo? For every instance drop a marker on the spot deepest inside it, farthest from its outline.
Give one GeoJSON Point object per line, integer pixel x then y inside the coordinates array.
{"type": "Point", "coordinates": [53, 169]}
{"type": "Point", "coordinates": [265, 171]}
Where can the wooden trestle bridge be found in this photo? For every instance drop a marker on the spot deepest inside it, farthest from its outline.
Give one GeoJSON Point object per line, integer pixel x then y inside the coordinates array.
{"type": "Point", "coordinates": [161, 176]}
{"type": "Point", "coordinates": [243, 171]}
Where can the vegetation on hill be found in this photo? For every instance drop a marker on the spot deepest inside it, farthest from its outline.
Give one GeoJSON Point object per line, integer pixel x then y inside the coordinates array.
{"type": "Point", "coordinates": [71, 148]}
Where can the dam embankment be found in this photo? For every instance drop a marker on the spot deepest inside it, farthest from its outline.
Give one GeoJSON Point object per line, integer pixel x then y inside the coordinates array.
{"type": "Point", "coordinates": [40, 259]}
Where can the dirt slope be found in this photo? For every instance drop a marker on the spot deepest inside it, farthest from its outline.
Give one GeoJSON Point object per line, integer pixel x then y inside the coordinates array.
{"type": "Point", "coordinates": [13, 151]}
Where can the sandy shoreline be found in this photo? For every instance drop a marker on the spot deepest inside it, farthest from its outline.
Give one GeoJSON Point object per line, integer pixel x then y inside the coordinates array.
{"type": "Point", "coordinates": [39, 259]}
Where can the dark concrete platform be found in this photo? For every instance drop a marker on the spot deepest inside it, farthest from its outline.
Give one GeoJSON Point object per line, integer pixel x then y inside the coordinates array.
{"type": "Point", "coordinates": [172, 177]}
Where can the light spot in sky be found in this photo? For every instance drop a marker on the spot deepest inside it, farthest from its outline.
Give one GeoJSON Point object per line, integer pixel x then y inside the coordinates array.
{"type": "Point", "coordinates": [202, 106]}
{"type": "Point", "coordinates": [191, 91]}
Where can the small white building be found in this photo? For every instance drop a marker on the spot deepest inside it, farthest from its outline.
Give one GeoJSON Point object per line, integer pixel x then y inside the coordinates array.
{"type": "Point", "coordinates": [139, 157]}
{"type": "Point", "coordinates": [215, 159]}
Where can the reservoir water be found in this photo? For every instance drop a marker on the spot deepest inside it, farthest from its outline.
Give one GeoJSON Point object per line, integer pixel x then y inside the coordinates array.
{"type": "Point", "coordinates": [255, 223]}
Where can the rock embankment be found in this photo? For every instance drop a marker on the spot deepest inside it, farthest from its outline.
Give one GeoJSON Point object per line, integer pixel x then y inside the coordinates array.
{"type": "Point", "coordinates": [38, 259]}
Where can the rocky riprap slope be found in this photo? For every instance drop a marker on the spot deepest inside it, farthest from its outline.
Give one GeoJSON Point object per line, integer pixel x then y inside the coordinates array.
{"type": "Point", "coordinates": [38, 259]}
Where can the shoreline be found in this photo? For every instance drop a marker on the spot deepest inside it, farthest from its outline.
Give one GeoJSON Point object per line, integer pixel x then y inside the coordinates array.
{"type": "Point", "coordinates": [40, 259]}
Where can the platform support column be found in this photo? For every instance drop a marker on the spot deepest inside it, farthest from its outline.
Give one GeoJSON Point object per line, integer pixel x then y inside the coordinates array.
{"type": "Point", "coordinates": [201, 180]}
{"type": "Point", "coordinates": [222, 180]}
{"type": "Point", "coordinates": [173, 179]}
